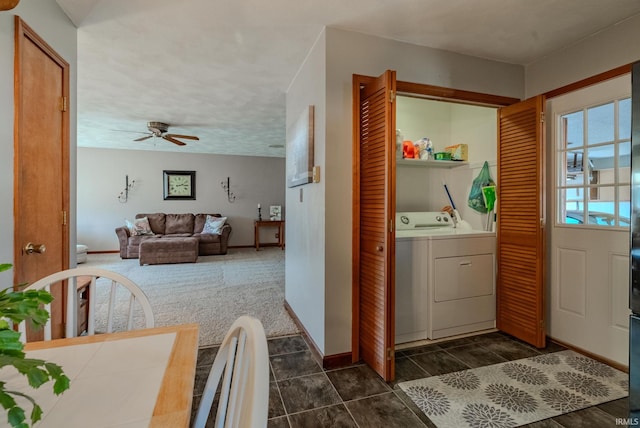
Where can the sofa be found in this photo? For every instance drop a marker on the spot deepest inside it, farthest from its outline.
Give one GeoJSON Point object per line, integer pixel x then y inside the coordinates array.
{"type": "Point", "coordinates": [174, 226]}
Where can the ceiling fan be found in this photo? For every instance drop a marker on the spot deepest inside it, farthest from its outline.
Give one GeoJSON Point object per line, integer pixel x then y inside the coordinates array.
{"type": "Point", "coordinates": [159, 129]}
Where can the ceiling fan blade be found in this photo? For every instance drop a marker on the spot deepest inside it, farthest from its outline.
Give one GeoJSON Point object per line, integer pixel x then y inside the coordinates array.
{"type": "Point", "coordinates": [188, 137]}
{"type": "Point", "coordinates": [173, 140]}
{"type": "Point", "coordinates": [143, 138]}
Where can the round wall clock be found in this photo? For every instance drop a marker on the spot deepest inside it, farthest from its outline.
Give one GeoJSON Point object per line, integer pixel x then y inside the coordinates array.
{"type": "Point", "coordinates": [179, 185]}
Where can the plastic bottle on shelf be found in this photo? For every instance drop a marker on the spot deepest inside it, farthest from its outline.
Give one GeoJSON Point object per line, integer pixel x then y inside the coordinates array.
{"type": "Point", "coordinates": [399, 140]}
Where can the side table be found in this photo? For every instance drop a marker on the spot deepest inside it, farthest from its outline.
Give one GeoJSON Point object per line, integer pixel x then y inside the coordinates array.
{"type": "Point", "coordinates": [257, 224]}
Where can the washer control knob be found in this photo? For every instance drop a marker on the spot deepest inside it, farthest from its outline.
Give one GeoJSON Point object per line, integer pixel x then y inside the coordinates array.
{"type": "Point", "coordinates": [438, 218]}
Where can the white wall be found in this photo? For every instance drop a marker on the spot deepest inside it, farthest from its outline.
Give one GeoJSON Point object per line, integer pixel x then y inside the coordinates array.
{"type": "Point", "coordinates": [101, 178]}
{"type": "Point", "coordinates": [305, 267]}
{"type": "Point", "coordinates": [349, 53]}
{"type": "Point", "coordinates": [601, 52]}
{"type": "Point", "coordinates": [48, 20]}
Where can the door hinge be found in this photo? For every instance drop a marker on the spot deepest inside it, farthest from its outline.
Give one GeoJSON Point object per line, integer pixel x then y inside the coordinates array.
{"type": "Point", "coordinates": [63, 103]}
{"type": "Point", "coordinates": [389, 354]}
{"type": "Point", "coordinates": [541, 117]}
{"type": "Point", "coordinates": [392, 96]}
{"type": "Point", "coordinates": [390, 225]}
{"type": "Point", "coordinates": [64, 218]}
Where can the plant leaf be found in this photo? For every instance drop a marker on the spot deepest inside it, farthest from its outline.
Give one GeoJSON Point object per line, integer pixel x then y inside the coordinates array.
{"type": "Point", "coordinates": [16, 416]}
{"type": "Point", "coordinates": [6, 400]}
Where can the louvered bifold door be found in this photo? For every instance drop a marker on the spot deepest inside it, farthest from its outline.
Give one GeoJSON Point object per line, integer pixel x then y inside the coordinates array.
{"type": "Point", "coordinates": [520, 220]}
{"type": "Point", "coordinates": [377, 210]}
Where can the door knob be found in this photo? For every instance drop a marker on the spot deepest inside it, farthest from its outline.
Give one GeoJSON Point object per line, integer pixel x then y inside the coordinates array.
{"type": "Point", "coordinates": [31, 248]}
{"type": "Point", "coordinates": [379, 248]}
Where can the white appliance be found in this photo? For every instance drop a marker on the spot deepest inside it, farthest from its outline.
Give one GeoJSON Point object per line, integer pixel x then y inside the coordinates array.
{"type": "Point", "coordinates": [445, 277]}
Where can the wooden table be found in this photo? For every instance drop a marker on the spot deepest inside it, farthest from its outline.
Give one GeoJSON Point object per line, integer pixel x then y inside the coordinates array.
{"type": "Point", "coordinates": [134, 378]}
{"type": "Point", "coordinates": [257, 224]}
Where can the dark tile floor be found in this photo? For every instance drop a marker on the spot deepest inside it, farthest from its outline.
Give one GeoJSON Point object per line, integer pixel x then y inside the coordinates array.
{"type": "Point", "coordinates": [304, 395]}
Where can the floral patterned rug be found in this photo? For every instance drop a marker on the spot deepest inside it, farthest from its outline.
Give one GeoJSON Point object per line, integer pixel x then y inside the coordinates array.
{"type": "Point", "coordinates": [517, 392]}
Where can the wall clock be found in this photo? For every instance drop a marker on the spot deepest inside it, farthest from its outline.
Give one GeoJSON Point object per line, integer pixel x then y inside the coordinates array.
{"type": "Point", "coordinates": [179, 185]}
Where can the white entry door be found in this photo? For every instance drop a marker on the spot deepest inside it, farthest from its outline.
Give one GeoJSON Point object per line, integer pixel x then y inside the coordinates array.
{"type": "Point", "coordinates": [589, 274]}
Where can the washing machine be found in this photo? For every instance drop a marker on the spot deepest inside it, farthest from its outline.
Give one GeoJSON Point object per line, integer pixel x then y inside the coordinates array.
{"type": "Point", "coordinates": [445, 277]}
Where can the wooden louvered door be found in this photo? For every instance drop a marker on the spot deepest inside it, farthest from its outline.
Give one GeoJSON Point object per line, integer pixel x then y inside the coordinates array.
{"type": "Point", "coordinates": [373, 219]}
{"type": "Point", "coordinates": [520, 219]}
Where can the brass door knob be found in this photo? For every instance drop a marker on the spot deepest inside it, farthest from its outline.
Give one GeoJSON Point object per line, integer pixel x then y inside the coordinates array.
{"type": "Point", "coordinates": [31, 248]}
{"type": "Point", "coordinates": [379, 248]}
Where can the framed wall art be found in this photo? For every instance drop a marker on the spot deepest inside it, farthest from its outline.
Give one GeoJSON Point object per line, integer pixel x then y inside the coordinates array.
{"type": "Point", "coordinates": [179, 185]}
{"type": "Point", "coordinates": [300, 149]}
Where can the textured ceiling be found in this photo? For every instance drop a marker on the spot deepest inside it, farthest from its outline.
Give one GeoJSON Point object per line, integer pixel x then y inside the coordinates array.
{"type": "Point", "coordinates": [219, 69]}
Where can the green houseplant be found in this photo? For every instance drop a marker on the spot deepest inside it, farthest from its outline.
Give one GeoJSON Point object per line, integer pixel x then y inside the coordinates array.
{"type": "Point", "coordinates": [17, 306]}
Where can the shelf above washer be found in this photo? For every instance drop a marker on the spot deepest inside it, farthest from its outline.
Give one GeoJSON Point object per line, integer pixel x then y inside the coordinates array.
{"type": "Point", "coordinates": [429, 163]}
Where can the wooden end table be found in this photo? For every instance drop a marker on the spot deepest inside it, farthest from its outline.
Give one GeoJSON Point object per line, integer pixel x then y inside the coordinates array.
{"type": "Point", "coordinates": [257, 224]}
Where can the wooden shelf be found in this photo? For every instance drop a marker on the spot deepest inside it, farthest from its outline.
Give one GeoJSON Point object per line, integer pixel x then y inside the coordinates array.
{"type": "Point", "coordinates": [429, 163]}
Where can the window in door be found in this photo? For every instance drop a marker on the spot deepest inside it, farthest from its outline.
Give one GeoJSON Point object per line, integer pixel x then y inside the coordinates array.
{"type": "Point", "coordinates": [594, 160]}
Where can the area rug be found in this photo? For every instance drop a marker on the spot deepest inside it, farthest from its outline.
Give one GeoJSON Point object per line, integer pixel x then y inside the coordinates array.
{"type": "Point", "coordinates": [517, 392]}
{"type": "Point", "coordinates": [212, 292]}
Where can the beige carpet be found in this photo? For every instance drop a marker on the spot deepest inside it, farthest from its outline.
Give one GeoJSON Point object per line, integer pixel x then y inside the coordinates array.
{"type": "Point", "coordinates": [212, 292]}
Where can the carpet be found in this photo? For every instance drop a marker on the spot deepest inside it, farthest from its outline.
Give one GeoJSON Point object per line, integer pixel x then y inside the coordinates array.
{"type": "Point", "coordinates": [517, 392]}
{"type": "Point", "coordinates": [213, 292]}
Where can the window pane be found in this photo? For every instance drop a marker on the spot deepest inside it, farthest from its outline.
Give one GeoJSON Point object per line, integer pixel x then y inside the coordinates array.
{"type": "Point", "coordinates": [574, 173]}
{"type": "Point", "coordinates": [624, 157]}
{"type": "Point", "coordinates": [601, 165]}
{"type": "Point", "coordinates": [624, 206]}
{"type": "Point", "coordinates": [575, 130]}
{"type": "Point", "coordinates": [600, 124]}
{"type": "Point", "coordinates": [624, 119]}
{"type": "Point", "coordinates": [601, 206]}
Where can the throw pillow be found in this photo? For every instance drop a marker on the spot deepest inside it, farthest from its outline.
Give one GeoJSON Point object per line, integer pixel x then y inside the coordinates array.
{"type": "Point", "coordinates": [213, 225]}
{"type": "Point", "coordinates": [139, 226]}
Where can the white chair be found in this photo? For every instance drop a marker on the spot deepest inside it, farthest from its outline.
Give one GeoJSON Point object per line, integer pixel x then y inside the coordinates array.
{"type": "Point", "coordinates": [243, 359]}
{"type": "Point", "coordinates": [117, 281]}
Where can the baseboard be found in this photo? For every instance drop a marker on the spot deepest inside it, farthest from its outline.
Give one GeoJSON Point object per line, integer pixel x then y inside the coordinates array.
{"type": "Point", "coordinates": [103, 252]}
{"type": "Point", "coordinates": [591, 355]}
{"type": "Point", "coordinates": [326, 361]}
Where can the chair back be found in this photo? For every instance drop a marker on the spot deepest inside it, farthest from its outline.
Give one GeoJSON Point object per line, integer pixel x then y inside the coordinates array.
{"type": "Point", "coordinates": [117, 281]}
{"type": "Point", "coordinates": [242, 364]}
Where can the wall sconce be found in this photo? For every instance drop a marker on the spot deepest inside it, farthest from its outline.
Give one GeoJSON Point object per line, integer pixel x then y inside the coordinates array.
{"type": "Point", "coordinates": [123, 197]}
{"type": "Point", "coordinates": [227, 188]}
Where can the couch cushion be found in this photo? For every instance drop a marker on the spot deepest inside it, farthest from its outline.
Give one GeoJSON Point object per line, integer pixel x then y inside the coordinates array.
{"type": "Point", "coordinates": [156, 221]}
{"type": "Point", "coordinates": [214, 225]}
{"type": "Point", "coordinates": [179, 235]}
{"type": "Point", "coordinates": [179, 223]}
{"type": "Point", "coordinates": [200, 220]}
{"type": "Point", "coordinates": [207, 238]}
{"type": "Point", "coordinates": [140, 226]}
{"type": "Point", "coordinates": [136, 240]}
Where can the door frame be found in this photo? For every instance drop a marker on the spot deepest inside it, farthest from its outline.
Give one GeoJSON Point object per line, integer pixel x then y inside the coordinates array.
{"type": "Point", "coordinates": [410, 89]}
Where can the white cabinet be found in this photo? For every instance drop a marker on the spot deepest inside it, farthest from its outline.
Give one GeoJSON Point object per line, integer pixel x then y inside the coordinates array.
{"type": "Point", "coordinates": [461, 289]}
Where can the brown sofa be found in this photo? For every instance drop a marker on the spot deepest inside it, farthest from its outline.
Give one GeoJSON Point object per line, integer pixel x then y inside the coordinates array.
{"type": "Point", "coordinates": [170, 226]}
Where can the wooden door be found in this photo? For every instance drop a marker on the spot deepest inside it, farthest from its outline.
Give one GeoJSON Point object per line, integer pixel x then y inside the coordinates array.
{"type": "Point", "coordinates": [41, 163]}
{"type": "Point", "coordinates": [520, 220]}
{"type": "Point", "coordinates": [374, 212]}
